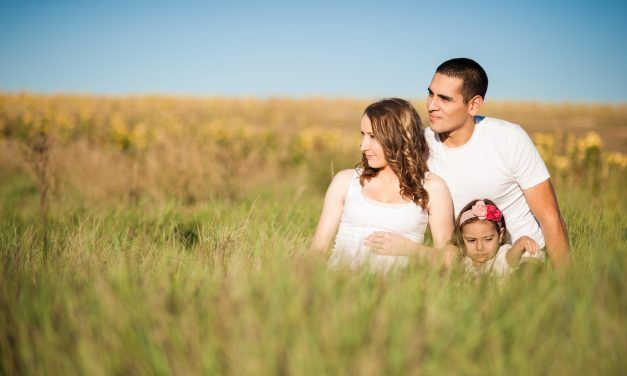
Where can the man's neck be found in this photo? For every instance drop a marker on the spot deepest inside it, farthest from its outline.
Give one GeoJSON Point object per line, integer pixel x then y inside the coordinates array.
{"type": "Point", "coordinates": [460, 136]}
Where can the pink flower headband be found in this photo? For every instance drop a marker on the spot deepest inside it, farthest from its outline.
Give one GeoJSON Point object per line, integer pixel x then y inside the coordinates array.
{"type": "Point", "coordinates": [482, 211]}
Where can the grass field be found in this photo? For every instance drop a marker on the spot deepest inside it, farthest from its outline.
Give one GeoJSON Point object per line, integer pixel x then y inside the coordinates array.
{"type": "Point", "coordinates": [164, 235]}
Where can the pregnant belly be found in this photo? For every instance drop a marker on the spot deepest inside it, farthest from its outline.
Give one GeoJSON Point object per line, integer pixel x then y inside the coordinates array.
{"type": "Point", "coordinates": [349, 250]}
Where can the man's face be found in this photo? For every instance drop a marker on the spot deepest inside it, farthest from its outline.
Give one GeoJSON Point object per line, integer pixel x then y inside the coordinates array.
{"type": "Point", "coordinates": [447, 110]}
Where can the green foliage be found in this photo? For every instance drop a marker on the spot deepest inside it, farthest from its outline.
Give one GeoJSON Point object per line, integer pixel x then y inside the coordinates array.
{"type": "Point", "coordinates": [230, 287]}
{"type": "Point", "coordinates": [177, 237]}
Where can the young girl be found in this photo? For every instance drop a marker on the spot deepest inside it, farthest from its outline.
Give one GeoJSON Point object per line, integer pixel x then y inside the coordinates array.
{"type": "Point", "coordinates": [378, 212]}
{"type": "Point", "coordinates": [480, 234]}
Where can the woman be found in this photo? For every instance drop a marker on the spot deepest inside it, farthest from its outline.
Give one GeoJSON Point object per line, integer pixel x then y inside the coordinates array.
{"type": "Point", "coordinates": [378, 213]}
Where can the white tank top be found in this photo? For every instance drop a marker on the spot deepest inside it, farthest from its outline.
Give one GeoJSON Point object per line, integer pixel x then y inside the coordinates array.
{"type": "Point", "coordinates": [363, 216]}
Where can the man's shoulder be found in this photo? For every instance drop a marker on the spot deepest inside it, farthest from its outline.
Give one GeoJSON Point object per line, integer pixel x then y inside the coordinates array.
{"type": "Point", "coordinates": [499, 127]}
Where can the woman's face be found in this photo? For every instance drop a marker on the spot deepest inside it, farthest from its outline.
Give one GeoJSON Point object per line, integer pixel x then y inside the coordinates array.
{"type": "Point", "coordinates": [481, 240]}
{"type": "Point", "coordinates": [371, 148]}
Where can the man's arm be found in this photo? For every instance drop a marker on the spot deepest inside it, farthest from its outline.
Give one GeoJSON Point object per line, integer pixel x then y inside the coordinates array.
{"type": "Point", "coordinates": [543, 204]}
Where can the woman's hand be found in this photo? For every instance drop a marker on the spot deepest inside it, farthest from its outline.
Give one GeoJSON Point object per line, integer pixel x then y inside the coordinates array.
{"type": "Point", "coordinates": [390, 244]}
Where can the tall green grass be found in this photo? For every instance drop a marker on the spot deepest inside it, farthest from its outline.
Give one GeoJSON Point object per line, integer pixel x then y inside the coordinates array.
{"type": "Point", "coordinates": [230, 287]}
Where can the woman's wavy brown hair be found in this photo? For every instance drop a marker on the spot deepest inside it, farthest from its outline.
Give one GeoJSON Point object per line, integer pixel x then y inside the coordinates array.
{"type": "Point", "coordinates": [397, 127]}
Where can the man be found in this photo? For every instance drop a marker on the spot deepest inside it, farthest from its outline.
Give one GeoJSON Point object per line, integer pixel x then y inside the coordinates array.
{"type": "Point", "coordinates": [481, 157]}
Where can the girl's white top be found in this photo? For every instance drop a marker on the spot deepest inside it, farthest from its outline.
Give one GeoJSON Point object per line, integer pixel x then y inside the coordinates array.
{"type": "Point", "coordinates": [363, 216]}
{"type": "Point", "coordinates": [497, 266]}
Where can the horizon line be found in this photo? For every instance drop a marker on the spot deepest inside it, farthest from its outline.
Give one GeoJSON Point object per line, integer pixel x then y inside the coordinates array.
{"type": "Point", "coordinates": [294, 97]}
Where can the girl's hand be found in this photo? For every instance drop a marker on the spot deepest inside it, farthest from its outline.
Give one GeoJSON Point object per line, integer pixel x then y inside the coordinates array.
{"type": "Point", "coordinates": [525, 243]}
{"type": "Point", "coordinates": [389, 244]}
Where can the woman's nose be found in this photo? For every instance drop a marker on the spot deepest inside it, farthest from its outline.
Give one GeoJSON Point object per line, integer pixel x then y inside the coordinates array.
{"type": "Point", "coordinates": [364, 144]}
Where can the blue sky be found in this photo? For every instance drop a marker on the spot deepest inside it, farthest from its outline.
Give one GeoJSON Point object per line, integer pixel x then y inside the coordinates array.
{"type": "Point", "coordinates": [548, 51]}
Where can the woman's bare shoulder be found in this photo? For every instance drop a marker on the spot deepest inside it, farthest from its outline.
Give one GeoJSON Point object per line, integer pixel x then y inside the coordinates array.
{"type": "Point", "coordinates": [434, 182]}
{"type": "Point", "coordinates": [440, 201]}
{"type": "Point", "coordinates": [347, 174]}
{"type": "Point", "coordinates": [341, 180]}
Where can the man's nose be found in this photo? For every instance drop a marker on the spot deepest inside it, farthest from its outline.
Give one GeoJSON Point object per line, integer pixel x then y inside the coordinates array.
{"type": "Point", "coordinates": [432, 104]}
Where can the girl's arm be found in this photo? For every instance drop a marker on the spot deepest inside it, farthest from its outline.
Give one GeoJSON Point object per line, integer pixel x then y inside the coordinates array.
{"type": "Point", "coordinates": [514, 254]}
{"type": "Point", "coordinates": [332, 211]}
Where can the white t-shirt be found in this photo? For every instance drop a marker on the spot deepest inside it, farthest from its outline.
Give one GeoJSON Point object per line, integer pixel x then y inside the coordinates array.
{"type": "Point", "coordinates": [498, 162]}
{"type": "Point", "coordinates": [497, 266]}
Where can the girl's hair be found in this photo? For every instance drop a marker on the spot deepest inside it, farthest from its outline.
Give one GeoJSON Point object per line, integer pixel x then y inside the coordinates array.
{"type": "Point", "coordinates": [397, 127]}
{"type": "Point", "coordinates": [457, 238]}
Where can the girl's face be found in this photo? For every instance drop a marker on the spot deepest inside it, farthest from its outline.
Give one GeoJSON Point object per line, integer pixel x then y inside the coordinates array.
{"type": "Point", "coordinates": [481, 240]}
{"type": "Point", "coordinates": [371, 148]}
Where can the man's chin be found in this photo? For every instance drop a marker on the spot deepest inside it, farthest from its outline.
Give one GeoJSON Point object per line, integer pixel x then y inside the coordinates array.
{"type": "Point", "coordinates": [441, 132]}
{"type": "Point", "coordinates": [437, 128]}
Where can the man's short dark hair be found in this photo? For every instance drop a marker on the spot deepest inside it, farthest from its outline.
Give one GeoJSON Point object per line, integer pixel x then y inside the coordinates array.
{"type": "Point", "coordinates": [475, 80]}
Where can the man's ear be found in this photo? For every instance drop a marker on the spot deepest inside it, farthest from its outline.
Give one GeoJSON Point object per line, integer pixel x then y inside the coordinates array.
{"type": "Point", "coordinates": [474, 105]}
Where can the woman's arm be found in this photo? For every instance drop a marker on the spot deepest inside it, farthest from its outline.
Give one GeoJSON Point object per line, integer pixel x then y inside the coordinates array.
{"type": "Point", "coordinates": [441, 219]}
{"type": "Point", "coordinates": [440, 211]}
{"type": "Point", "coordinates": [332, 211]}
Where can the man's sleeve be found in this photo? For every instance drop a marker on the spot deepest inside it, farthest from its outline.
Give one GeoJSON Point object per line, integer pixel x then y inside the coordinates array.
{"type": "Point", "coordinates": [527, 166]}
